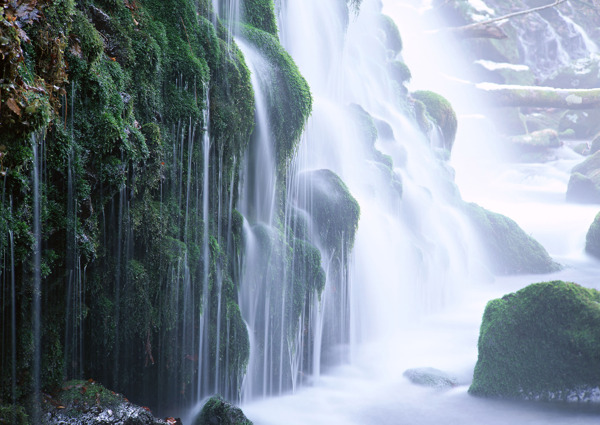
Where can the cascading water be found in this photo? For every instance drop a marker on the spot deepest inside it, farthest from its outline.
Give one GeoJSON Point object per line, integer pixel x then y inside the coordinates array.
{"type": "Point", "coordinates": [414, 258]}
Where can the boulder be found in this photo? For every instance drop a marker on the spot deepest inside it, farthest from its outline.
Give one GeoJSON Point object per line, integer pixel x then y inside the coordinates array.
{"type": "Point", "coordinates": [217, 411]}
{"type": "Point", "coordinates": [541, 343]}
{"type": "Point", "coordinates": [509, 249]}
{"type": "Point", "coordinates": [535, 141]}
{"type": "Point", "coordinates": [441, 112]}
{"type": "Point", "coordinates": [592, 239]}
{"type": "Point", "coordinates": [89, 403]}
{"type": "Point", "coordinates": [430, 377]}
{"type": "Point", "coordinates": [584, 184]}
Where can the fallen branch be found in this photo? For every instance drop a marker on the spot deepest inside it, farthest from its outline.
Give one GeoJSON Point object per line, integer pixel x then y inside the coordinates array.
{"type": "Point", "coordinates": [540, 97]}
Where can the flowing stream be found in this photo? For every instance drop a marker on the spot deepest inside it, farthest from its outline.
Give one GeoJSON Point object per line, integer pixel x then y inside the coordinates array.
{"type": "Point", "coordinates": [418, 288]}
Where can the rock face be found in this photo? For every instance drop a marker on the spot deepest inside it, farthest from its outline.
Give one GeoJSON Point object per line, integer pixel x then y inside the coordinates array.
{"type": "Point", "coordinates": [541, 343]}
{"type": "Point", "coordinates": [592, 239]}
{"type": "Point", "coordinates": [510, 250]}
{"type": "Point", "coordinates": [89, 403]}
{"type": "Point", "coordinates": [430, 377]}
{"type": "Point", "coordinates": [217, 411]}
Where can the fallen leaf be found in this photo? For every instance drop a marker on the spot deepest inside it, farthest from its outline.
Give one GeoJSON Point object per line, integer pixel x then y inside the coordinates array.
{"type": "Point", "coordinates": [60, 407]}
{"type": "Point", "coordinates": [12, 105]}
{"type": "Point", "coordinates": [146, 408]}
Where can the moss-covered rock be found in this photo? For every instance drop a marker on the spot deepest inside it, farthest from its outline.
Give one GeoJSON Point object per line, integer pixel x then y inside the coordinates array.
{"type": "Point", "coordinates": [584, 184]}
{"type": "Point", "coordinates": [442, 113]}
{"type": "Point", "coordinates": [335, 212]}
{"type": "Point", "coordinates": [508, 248]}
{"type": "Point", "coordinates": [260, 14]}
{"type": "Point", "coordinates": [541, 343]}
{"type": "Point", "coordinates": [592, 239]}
{"type": "Point", "coordinates": [218, 411]}
{"type": "Point", "coordinates": [391, 35]}
{"type": "Point", "coordinates": [288, 94]}
{"type": "Point", "coordinates": [88, 402]}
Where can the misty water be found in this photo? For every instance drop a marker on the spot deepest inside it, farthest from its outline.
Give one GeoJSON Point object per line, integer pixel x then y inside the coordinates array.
{"type": "Point", "coordinates": [418, 285]}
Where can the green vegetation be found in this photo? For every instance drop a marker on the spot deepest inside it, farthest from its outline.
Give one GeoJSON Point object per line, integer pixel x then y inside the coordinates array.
{"type": "Point", "coordinates": [289, 97]}
{"type": "Point", "coordinates": [218, 411]}
{"type": "Point", "coordinates": [509, 249]}
{"type": "Point", "coordinates": [592, 239]}
{"type": "Point", "coordinates": [260, 14]}
{"type": "Point", "coordinates": [441, 113]}
{"type": "Point", "coordinates": [393, 40]}
{"type": "Point", "coordinates": [540, 343]}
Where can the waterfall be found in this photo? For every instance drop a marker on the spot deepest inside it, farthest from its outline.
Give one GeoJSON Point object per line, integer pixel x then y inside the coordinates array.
{"type": "Point", "coordinates": [38, 154]}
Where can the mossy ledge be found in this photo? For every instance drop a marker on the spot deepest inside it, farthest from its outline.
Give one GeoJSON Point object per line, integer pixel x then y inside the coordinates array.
{"type": "Point", "coordinates": [509, 249]}
{"type": "Point", "coordinates": [541, 343]}
{"type": "Point", "coordinates": [442, 114]}
{"type": "Point", "coordinates": [289, 98]}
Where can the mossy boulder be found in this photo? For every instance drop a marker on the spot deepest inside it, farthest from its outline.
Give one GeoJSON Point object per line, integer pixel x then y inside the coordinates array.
{"type": "Point", "coordinates": [584, 184]}
{"type": "Point", "coordinates": [509, 249]}
{"type": "Point", "coordinates": [592, 239]}
{"type": "Point", "coordinates": [584, 123]}
{"type": "Point", "coordinates": [536, 141]}
{"type": "Point", "coordinates": [441, 113]}
{"type": "Point", "coordinates": [541, 343]}
{"type": "Point", "coordinates": [88, 402]}
{"type": "Point", "coordinates": [335, 212]}
{"type": "Point", "coordinates": [217, 411]}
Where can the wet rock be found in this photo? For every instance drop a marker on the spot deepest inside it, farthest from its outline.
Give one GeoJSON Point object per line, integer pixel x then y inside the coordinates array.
{"type": "Point", "coordinates": [541, 343]}
{"type": "Point", "coordinates": [584, 184]}
{"type": "Point", "coordinates": [217, 411]}
{"type": "Point", "coordinates": [592, 239]}
{"type": "Point", "coordinates": [430, 377]}
{"type": "Point", "coordinates": [89, 403]}
{"type": "Point", "coordinates": [509, 249]}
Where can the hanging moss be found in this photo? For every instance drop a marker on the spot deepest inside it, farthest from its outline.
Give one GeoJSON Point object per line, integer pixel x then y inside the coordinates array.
{"type": "Point", "coordinates": [442, 113]}
{"type": "Point", "coordinates": [289, 97]}
{"type": "Point", "coordinates": [540, 343]}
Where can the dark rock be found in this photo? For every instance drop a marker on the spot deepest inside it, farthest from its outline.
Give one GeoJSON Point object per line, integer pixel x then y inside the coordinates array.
{"type": "Point", "coordinates": [217, 411]}
{"type": "Point", "coordinates": [430, 377]}
{"type": "Point", "coordinates": [541, 343]}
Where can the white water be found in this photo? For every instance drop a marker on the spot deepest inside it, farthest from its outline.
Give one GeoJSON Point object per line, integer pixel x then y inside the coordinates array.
{"type": "Point", "coordinates": [417, 300]}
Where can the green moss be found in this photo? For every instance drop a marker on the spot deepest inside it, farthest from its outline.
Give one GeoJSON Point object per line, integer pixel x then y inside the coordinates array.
{"type": "Point", "coordinates": [399, 72]}
{"type": "Point", "coordinates": [289, 97]}
{"type": "Point", "coordinates": [365, 124]}
{"type": "Point", "coordinates": [442, 113]}
{"type": "Point", "coordinates": [393, 40]}
{"type": "Point", "coordinates": [260, 14]}
{"type": "Point", "coordinates": [542, 342]}
{"type": "Point", "coordinates": [592, 239]}
{"type": "Point", "coordinates": [335, 212]}
{"type": "Point", "coordinates": [216, 410]}
{"type": "Point", "coordinates": [13, 415]}
{"type": "Point", "coordinates": [509, 249]}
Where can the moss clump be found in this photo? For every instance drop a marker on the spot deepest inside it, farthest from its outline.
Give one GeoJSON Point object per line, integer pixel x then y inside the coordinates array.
{"type": "Point", "coordinates": [288, 94]}
{"type": "Point", "coordinates": [79, 396]}
{"type": "Point", "coordinates": [392, 40]}
{"type": "Point", "coordinates": [335, 212]}
{"type": "Point", "coordinates": [399, 72]}
{"type": "Point", "coordinates": [260, 14]}
{"type": "Point", "coordinates": [592, 239]}
{"type": "Point", "coordinates": [540, 343]}
{"type": "Point", "coordinates": [13, 415]}
{"type": "Point", "coordinates": [442, 113]}
{"type": "Point", "coordinates": [509, 249]}
{"type": "Point", "coordinates": [218, 411]}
